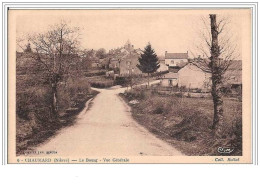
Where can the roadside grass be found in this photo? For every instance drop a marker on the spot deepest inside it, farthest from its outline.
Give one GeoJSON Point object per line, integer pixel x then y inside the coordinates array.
{"type": "Point", "coordinates": [124, 81]}
{"type": "Point", "coordinates": [186, 122]}
{"type": "Point", "coordinates": [101, 81]}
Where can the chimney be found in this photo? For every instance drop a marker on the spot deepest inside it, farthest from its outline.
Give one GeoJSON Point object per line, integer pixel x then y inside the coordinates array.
{"type": "Point", "coordinates": [165, 52]}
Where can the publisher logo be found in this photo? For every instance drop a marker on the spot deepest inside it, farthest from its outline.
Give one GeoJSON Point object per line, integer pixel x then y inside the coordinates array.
{"type": "Point", "coordinates": [225, 150]}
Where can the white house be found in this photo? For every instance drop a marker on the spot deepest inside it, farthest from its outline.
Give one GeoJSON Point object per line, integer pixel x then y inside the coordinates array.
{"type": "Point", "coordinates": [175, 59]}
{"type": "Point", "coordinates": [193, 77]}
{"type": "Point", "coordinates": [189, 76]}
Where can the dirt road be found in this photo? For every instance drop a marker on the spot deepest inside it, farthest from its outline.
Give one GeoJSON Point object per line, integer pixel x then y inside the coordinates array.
{"type": "Point", "coordinates": [107, 129]}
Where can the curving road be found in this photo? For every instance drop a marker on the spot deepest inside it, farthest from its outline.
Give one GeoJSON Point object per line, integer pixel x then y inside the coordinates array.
{"type": "Point", "coordinates": [107, 129]}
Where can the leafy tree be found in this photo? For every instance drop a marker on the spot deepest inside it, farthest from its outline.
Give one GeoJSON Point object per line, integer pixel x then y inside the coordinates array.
{"type": "Point", "coordinates": [148, 61]}
{"type": "Point", "coordinates": [101, 53]}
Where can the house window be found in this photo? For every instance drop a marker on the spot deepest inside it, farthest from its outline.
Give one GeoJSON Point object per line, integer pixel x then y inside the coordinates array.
{"type": "Point", "coordinates": [172, 63]}
{"type": "Point", "coordinates": [170, 82]}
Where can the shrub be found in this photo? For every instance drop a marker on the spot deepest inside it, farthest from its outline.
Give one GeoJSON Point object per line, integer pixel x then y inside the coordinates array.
{"type": "Point", "coordinates": [123, 81]}
{"type": "Point", "coordinates": [101, 82]}
{"type": "Point", "coordinates": [158, 110]}
{"type": "Point", "coordinates": [97, 73]}
{"type": "Point", "coordinates": [30, 100]}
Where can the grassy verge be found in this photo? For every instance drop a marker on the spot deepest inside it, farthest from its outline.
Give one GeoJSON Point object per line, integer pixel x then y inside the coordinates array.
{"type": "Point", "coordinates": [185, 122]}
{"type": "Point", "coordinates": [35, 122]}
{"type": "Point", "coordinates": [101, 82]}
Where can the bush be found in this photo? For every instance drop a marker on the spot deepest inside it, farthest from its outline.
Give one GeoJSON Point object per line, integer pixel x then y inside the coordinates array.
{"type": "Point", "coordinates": [30, 100]}
{"type": "Point", "coordinates": [102, 84]}
{"type": "Point", "coordinates": [123, 81]}
{"type": "Point", "coordinates": [96, 73]}
{"type": "Point", "coordinates": [158, 110]}
{"type": "Point", "coordinates": [137, 93]}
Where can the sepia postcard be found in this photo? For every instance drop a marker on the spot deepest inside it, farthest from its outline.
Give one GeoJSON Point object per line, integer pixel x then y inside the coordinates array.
{"type": "Point", "coordinates": [130, 86]}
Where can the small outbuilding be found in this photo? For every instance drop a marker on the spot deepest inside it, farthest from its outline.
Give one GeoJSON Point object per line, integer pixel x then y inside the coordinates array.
{"type": "Point", "coordinates": [170, 79]}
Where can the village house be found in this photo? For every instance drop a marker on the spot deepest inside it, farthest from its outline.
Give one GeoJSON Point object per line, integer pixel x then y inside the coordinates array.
{"type": "Point", "coordinates": [174, 62]}
{"type": "Point", "coordinates": [175, 59]}
{"type": "Point", "coordinates": [163, 66]}
{"type": "Point", "coordinates": [128, 65]}
{"type": "Point", "coordinates": [128, 46]}
{"type": "Point", "coordinates": [125, 59]}
{"type": "Point", "coordinates": [94, 63]}
{"type": "Point", "coordinates": [191, 77]}
{"type": "Point", "coordinates": [114, 63]}
{"type": "Point", "coordinates": [188, 76]}
{"type": "Point", "coordinates": [170, 79]}
{"type": "Point", "coordinates": [233, 77]}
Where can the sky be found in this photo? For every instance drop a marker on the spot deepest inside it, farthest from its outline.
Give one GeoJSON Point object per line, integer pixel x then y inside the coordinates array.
{"type": "Point", "coordinates": [166, 30]}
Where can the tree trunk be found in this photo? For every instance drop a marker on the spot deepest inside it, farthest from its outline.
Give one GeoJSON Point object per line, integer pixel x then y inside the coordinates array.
{"type": "Point", "coordinates": [54, 98]}
{"type": "Point", "coordinates": [148, 78]}
{"type": "Point", "coordinates": [218, 105]}
{"type": "Point", "coordinates": [216, 80]}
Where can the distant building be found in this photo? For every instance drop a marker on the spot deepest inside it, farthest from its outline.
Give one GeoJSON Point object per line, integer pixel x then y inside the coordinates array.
{"type": "Point", "coordinates": [190, 76]}
{"type": "Point", "coordinates": [169, 79]}
{"type": "Point", "coordinates": [114, 63]}
{"type": "Point", "coordinates": [128, 46]}
{"type": "Point", "coordinates": [175, 59]}
{"type": "Point", "coordinates": [94, 63]}
{"type": "Point", "coordinates": [110, 73]}
{"type": "Point", "coordinates": [163, 66]}
{"type": "Point", "coordinates": [233, 75]}
{"type": "Point", "coordinates": [128, 65]}
{"type": "Point", "coordinates": [125, 59]}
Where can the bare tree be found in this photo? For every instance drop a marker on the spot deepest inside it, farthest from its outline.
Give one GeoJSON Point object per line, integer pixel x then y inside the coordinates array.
{"type": "Point", "coordinates": [57, 51]}
{"type": "Point", "coordinates": [21, 43]}
{"type": "Point", "coordinates": [220, 53]}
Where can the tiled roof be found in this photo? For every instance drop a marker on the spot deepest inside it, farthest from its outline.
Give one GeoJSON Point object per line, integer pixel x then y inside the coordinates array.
{"type": "Point", "coordinates": [176, 55]}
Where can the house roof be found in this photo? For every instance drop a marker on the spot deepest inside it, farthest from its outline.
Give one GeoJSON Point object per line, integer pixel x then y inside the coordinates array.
{"type": "Point", "coordinates": [170, 75]}
{"type": "Point", "coordinates": [177, 67]}
{"type": "Point", "coordinates": [176, 55]}
{"type": "Point", "coordinates": [235, 65]}
{"type": "Point", "coordinates": [233, 75]}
